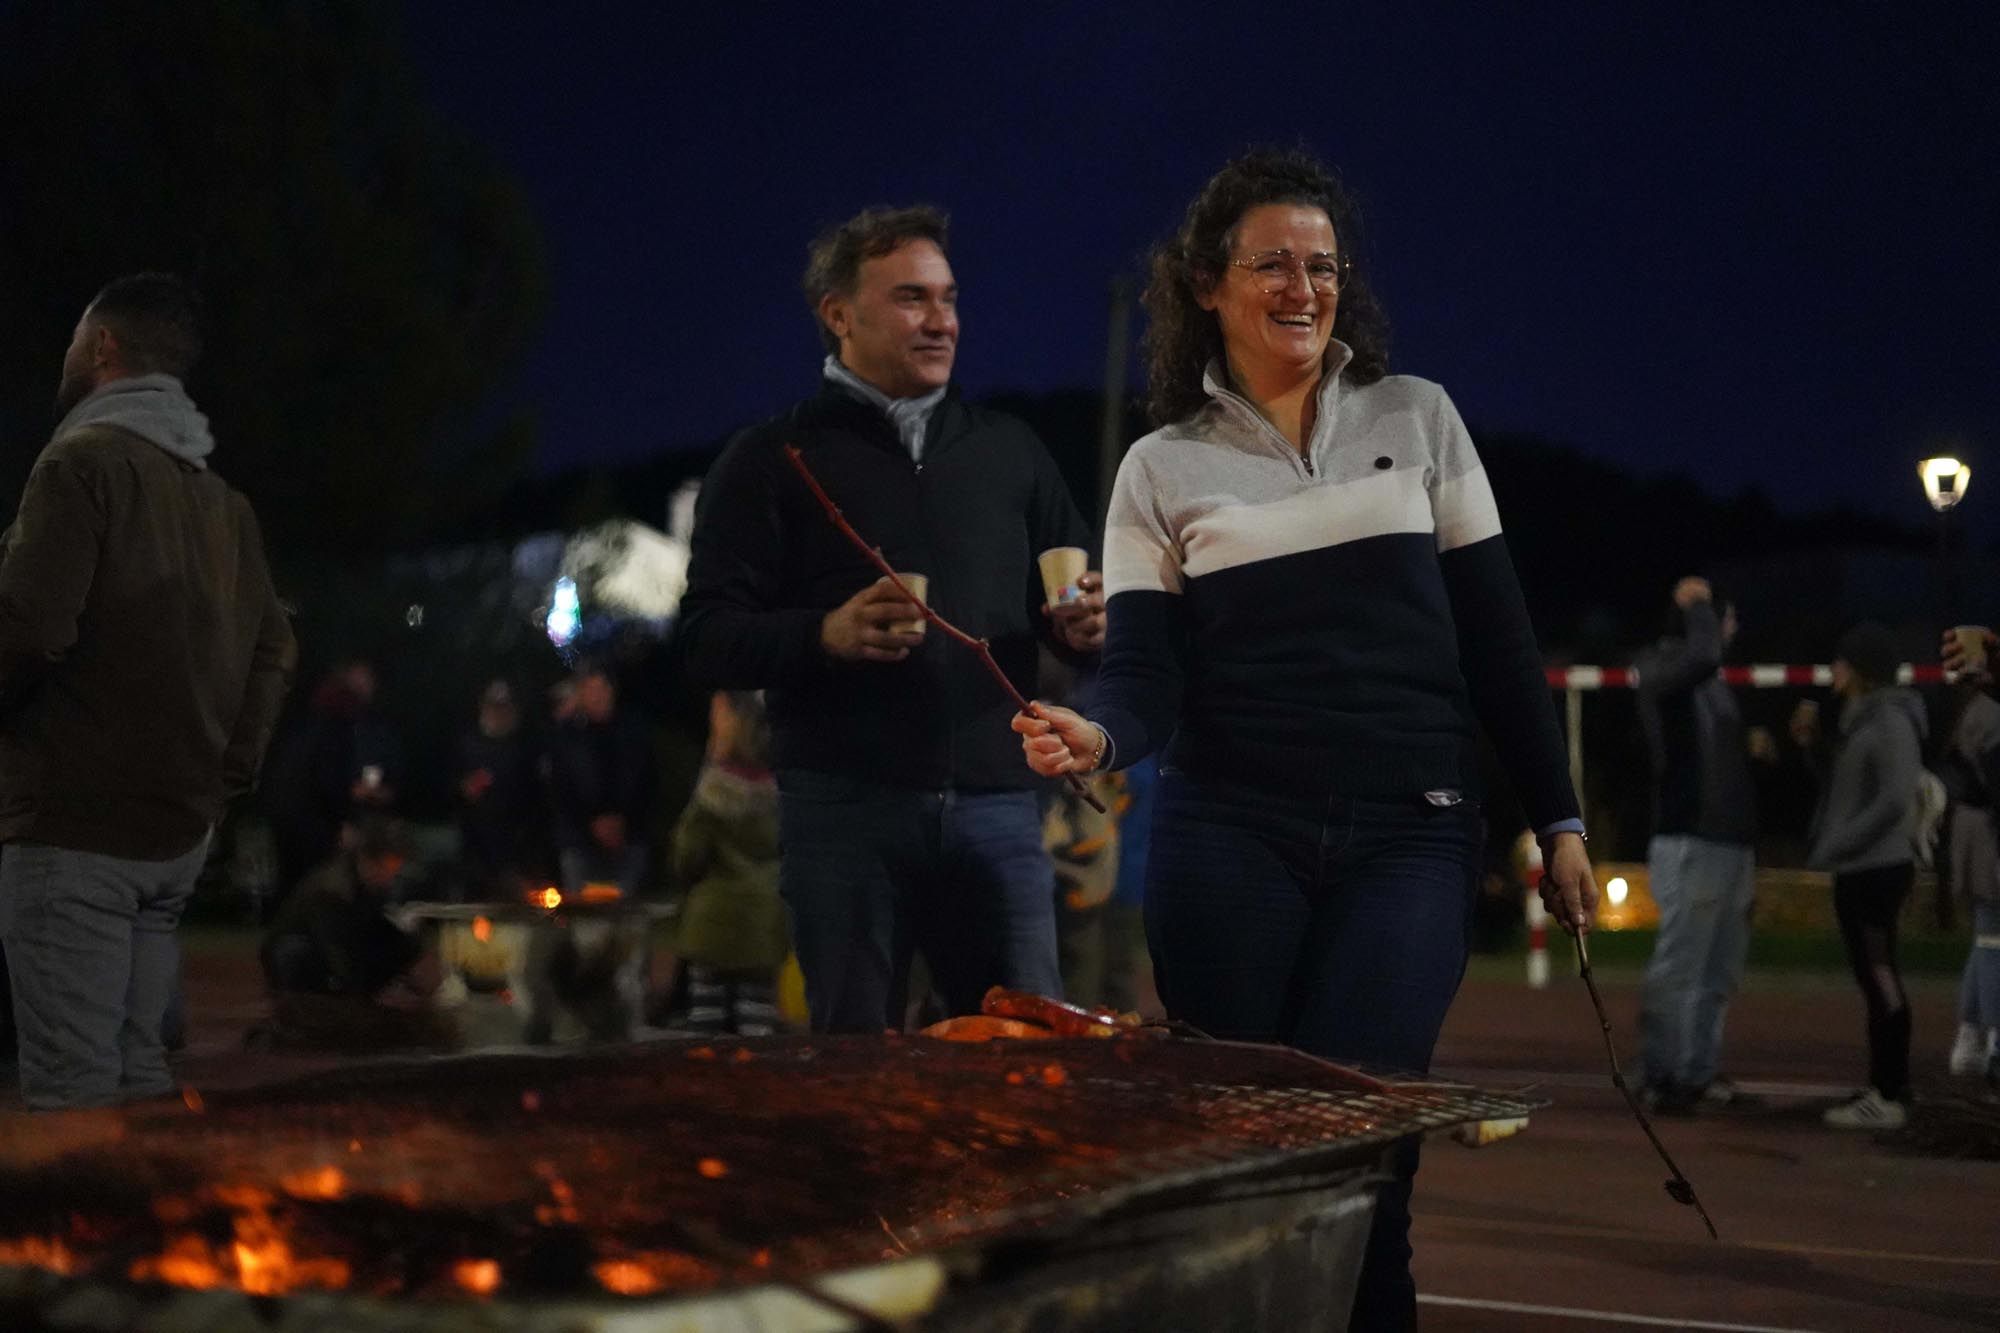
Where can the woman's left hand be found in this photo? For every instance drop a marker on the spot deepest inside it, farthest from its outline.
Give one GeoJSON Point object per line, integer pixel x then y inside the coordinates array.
{"type": "Point", "coordinates": [1569, 890]}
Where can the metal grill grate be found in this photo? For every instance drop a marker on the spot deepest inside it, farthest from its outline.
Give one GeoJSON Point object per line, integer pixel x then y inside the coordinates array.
{"type": "Point", "coordinates": [678, 1166]}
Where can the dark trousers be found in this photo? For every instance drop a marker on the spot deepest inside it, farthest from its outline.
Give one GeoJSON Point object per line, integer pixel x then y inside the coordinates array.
{"type": "Point", "coordinates": [1335, 925]}
{"type": "Point", "coordinates": [1867, 903]}
{"type": "Point", "coordinates": [870, 872]}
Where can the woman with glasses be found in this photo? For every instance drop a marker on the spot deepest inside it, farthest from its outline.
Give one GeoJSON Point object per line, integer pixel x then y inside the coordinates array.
{"type": "Point", "coordinates": [1310, 604]}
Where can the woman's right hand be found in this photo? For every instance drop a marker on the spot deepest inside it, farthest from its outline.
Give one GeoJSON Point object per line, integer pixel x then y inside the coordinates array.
{"type": "Point", "coordinates": [1057, 741]}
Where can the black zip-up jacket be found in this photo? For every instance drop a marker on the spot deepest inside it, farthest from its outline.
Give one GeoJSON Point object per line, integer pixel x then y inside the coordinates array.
{"type": "Point", "coordinates": [768, 564]}
{"type": "Point", "coordinates": [1694, 735]}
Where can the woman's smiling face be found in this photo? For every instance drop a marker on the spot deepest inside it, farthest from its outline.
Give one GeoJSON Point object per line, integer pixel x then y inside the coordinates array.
{"type": "Point", "coordinates": [1284, 332]}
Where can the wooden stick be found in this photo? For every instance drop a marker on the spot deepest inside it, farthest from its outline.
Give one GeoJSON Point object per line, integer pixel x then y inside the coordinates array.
{"type": "Point", "coordinates": [797, 459]}
{"type": "Point", "coordinates": [1680, 1189]}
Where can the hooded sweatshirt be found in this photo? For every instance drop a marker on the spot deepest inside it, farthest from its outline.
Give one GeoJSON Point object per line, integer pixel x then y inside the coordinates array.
{"type": "Point", "coordinates": [155, 408]}
{"type": "Point", "coordinates": [1866, 812]}
{"type": "Point", "coordinates": [143, 650]}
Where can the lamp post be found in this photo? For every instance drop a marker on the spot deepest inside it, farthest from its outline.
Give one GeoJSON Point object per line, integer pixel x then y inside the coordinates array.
{"type": "Point", "coordinates": [1945, 482]}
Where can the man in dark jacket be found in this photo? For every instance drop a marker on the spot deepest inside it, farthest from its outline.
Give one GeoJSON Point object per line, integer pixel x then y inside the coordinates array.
{"type": "Point", "coordinates": [501, 811]}
{"type": "Point", "coordinates": [602, 781]}
{"type": "Point", "coordinates": [143, 659]}
{"type": "Point", "coordinates": [1700, 859]}
{"type": "Point", "coordinates": [907, 816]}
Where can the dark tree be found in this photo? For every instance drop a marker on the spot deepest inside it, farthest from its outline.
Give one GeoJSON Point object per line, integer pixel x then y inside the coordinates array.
{"type": "Point", "coordinates": [369, 274]}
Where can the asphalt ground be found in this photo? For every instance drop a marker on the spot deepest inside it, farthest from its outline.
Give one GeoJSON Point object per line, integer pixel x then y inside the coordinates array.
{"type": "Point", "coordinates": [1567, 1226]}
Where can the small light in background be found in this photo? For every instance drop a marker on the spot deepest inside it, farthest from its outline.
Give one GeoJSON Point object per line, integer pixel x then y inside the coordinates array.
{"type": "Point", "coordinates": [565, 612]}
{"type": "Point", "coordinates": [414, 617]}
{"type": "Point", "coordinates": [1617, 890]}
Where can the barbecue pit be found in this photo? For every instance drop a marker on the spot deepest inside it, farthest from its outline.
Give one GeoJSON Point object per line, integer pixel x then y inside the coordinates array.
{"type": "Point", "coordinates": [724, 1185]}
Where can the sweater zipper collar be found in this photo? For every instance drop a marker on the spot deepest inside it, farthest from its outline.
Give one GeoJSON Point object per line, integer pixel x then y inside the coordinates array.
{"type": "Point", "coordinates": [1309, 462]}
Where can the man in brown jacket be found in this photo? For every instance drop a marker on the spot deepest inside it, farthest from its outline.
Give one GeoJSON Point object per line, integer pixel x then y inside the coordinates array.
{"type": "Point", "coordinates": [143, 658]}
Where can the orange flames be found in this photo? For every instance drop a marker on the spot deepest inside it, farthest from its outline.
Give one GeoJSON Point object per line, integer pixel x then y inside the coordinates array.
{"type": "Point", "coordinates": [549, 898]}
{"type": "Point", "coordinates": [644, 1274]}
{"type": "Point", "coordinates": [481, 1277]}
{"type": "Point", "coordinates": [323, 1182]}
{"type": "Point", "coordinates": [257, 1258]}
{"type": "Point", "coordinates": [34, 1252]}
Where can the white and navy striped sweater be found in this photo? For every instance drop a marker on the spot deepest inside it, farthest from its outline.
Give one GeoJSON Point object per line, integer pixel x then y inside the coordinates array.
{"type": "Point", "coordinates": [1329, 622]}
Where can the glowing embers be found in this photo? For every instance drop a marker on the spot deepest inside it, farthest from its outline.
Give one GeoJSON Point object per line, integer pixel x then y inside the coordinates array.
{"type": "Point", "coordinates": [256, 1254]}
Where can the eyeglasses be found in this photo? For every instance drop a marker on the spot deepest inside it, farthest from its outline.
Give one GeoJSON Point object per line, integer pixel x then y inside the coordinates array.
{"type": "Point", "coordinates": [1275, 270]}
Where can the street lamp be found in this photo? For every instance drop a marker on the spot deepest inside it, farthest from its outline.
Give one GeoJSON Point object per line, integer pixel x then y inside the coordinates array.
{"type": "Point", "coordinates": [1945, 482]}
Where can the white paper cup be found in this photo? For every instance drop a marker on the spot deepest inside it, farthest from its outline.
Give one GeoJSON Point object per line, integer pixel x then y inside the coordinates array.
{"type": "Point", "coordinates": [1063, 568]}
{"type": "Point", "coordinates": [920, 586]}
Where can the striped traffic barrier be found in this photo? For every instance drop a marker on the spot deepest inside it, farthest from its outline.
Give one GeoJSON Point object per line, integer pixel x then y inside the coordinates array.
{"type": "Point", "coordinates": [1763, 675]}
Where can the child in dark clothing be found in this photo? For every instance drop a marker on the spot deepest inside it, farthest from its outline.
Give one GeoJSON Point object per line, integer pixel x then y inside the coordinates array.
{"type": "Point", "coordinates": [733, 934]}
{"type": "Point", "coordinates": [332, 936]}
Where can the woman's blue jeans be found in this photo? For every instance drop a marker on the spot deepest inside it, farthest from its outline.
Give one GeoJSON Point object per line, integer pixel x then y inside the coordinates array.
{"type": "Point", "coordinates": [1333, 924]}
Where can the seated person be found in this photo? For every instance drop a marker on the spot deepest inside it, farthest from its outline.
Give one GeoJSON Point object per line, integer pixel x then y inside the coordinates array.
{"type": "Point", "coordinates": [333, 936]}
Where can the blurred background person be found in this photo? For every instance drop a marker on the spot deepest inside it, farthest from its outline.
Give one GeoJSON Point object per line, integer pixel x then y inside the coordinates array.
{"type": "Point", "coordinates": [1701, 859]}
{"type": "Point", "coordinates": [731, 936]}
{"type": "Point", "coordinates": [1862, 833]}
{"type": "Point", "coordinates": [333, 934]}
{"type": "Point", "coordinates": [336, 761]}
{"type": "Point", "coordinates": [602, 781]}
{"type": "Point", "coordinates": [502, 815]}
{"type": "Point", "coordinates": [1971, 770]}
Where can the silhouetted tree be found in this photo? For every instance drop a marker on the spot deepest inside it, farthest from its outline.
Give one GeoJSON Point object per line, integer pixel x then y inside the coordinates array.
{"type": "Point", "coordinates": [369, 274]}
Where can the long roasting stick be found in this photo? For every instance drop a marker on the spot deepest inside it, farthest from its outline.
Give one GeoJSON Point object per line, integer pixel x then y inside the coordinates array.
{"type": "Point", "coordinates": [1680, 1189]}
{"type": "Point", "coordinates": [798, 461]}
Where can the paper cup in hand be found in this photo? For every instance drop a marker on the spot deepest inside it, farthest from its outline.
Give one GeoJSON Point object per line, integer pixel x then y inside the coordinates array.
{"type": "Point", "coordinates": [1972, 647]}
{"type": "Point", "coordinates": [1062, 569]}
{"type": "Point", "coordinates": [920, 588]}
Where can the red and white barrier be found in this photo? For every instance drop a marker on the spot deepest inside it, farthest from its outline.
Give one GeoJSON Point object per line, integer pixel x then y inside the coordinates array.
{"type": "Point", "coordinates": [1528, 866]}
{"type": "Point", "coordinates": [1762, 676]}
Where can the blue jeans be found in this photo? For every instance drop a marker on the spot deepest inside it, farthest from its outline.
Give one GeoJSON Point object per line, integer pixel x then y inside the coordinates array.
{"type": "Point", "coordinates": [1979, 985]}
{"type": "Point", "coordinates": [870, 872]}
{"type": "Point", "coordinates": [1332, 924]}
{"type": "Point", "coordinates": [1703, 889]}
{"type": "Point", "coordinates": [90, 945]}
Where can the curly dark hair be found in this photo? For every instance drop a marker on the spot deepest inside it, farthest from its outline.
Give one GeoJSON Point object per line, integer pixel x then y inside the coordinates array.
{"type": "Point", "coordinates": [1181, 337]}
{"type": "Point", "coordinates": [834, 260]}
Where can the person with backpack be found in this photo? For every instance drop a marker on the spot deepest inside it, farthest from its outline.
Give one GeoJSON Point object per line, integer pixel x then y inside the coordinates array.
{"type": "Point", "coordinates": [1863, 834]}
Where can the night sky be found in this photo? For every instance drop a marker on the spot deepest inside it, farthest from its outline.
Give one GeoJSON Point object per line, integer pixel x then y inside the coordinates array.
{"type": "Point", "coordinates": [1756, 246]}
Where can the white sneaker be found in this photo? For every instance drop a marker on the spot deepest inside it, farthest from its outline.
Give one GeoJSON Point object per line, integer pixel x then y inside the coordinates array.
{"type": "Point", "coordinates": [1867, 1109]}
{"type": "Point", "coordinates": [1972, 1049]}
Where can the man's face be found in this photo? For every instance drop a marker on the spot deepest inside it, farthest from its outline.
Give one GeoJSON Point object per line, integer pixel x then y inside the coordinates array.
{"type": "Point", "coordinates": [898, 328]}
{"type": "Point", "coordinates": [79, 367]}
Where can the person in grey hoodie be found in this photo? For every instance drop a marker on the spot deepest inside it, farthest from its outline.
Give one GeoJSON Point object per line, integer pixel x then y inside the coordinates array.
{"type": "Point", "coordinates": [143, 658]}
{"type": "Point", "coordinates": [1700, 858]}
{"type": "Point", "coordinates": [1862, 833]}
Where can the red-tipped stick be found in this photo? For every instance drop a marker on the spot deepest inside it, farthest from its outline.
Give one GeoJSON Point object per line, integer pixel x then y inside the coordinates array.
{"type": "Point", "coordinates": [798, 461]}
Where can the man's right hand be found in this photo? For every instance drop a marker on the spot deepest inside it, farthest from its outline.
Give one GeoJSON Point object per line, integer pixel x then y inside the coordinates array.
{"type": "Point", "coordinates": [1691, 590]}
{"type": "Point", "coordinates": [860, 628]}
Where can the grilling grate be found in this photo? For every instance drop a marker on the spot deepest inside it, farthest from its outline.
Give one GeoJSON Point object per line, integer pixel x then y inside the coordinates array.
{"type": "Point", "coordinates": [681, 1167]}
